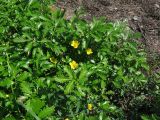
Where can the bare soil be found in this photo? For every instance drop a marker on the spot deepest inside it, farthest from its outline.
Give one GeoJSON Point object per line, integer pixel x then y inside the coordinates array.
{"type": "Point", "coordinates": [142, 16]}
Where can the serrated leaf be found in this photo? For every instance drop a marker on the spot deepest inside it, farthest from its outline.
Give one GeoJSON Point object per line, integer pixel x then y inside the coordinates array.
{"type": "Point", "coordinates": [117, 84]}
{"type": "Point", "coordinates": [80, 91]}
{"type": "Point", "coordinates": [29, 110]}
{"type": "Point", "coordinates": [84, 44]}
{"type": "Point", "coordinates": [6, 83]}
{"type": "Point", "coordinates": [145, 66]}
{"type": "Point", "coordinates": [21, 40]}
{"type": "Point", "coordinates": [2, 94]}
{"type": "Point", "coordinates": [61, 79]}
{"type": "Point", "coordinates": [43, 18]}
{"type": "Point", "coordinates": [9, 118]}
{"type": "Point", "coordinates": [1, 29]}
{"type": "Point", "coordinates": [46, 112]}
{"type": "Point", "coordinates": [2, 68]}
{"type": "Point", "coordinates": [144, 117]}
{"type": "Point", "coordinates": [69, 72]}
{"type": "Point", "coordinates": [105, 105]}
{"type": "Point", "coordinates": [23, 76]}
{"type": "Point", "coordinates": [29, 47]}
{"type": "Point", "coordinates": [25, 87]}
{"type": "Point", "coordinates": [92, 118]}
{"type": "Point", "coordinates": [30, 2]}
{"type": "Point", "coordinates": [35, 104]}
{"type": "Point", "coordinates": [81, 116]}
{"type": "Point", "coordinates": [103, 84]}
{"type": "Point", "coordinates": [69, 87]}
{"type": "Point", "coordinates": [110, 92]}
{"type": "Point", "coordinates": [83, 75]}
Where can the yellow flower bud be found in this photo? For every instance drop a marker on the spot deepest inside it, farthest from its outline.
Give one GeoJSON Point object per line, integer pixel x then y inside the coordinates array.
{"type": "Point", "coordinates": [73, 64]}
{"type": "Point", "coordinates": [75, 44]}
{"type": "Point", "coordinates": [90, 107]}
{"type": "Point", "coordinates": [89, 51]}
{"type": "Point", "coordinates": [53, 60]}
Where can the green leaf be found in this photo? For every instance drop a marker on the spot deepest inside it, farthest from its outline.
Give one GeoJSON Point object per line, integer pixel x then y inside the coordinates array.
{"type": "Point", "coordinates": [83, 76]}
{"type": "Point", "coordinates": [137, 35]}
{"type": "Point", "coordinates": [35, 104]}
{"type": "Point", "coordinates": [26, 28]}
{"type": "Point", "coordinates": [69, 72]}
{"type": "Point", "coordinates": [80, 90]}
{"type": "Point", "coordinates": [101, 116]}
{"type": "Point", "coordinates": [105, 105]}
{"type": "Point", "coordinates": [29, 47]}
{"type": "Point", "coordinates": [2, 94]}
{"type": "Point", "coordinates": [30, 2]}
{"type": "Point", "coordinates": [110, 92]}
{"type": "Point", "coordinates": [21, 40]}
{"type": "Point", "coordinates": [1, 29]}
{"type": "Point", "coordinates": [25, 87]}
{"type": "Point", "coordinates": [46, 112]}
{"type": "Point", "coordinates": [43, 18]}
{"type": "Point", "coordinates": [97, 37]}
{"type": "Point", "coordinates": [81, 116]}
{"type": "Point", "coordinates": [69, 87]}
{"type": "Point", "coordinates": [9, 118]}
{"type": "Point", "coordinates": [61, 79]}
{"type": "Point", "coordinates": [103, 84]}
{"type": "Point", "coordinates": [145, 66]}
{"type": "Point", "coordinates": [84, 44]}
{"type": "Point", "coordinates": [92, 118]}
{"type": "Point", "coordinates": [23, 76]}
{"type": "Point", "coordinates": [144, 117]}
{"type": "Point", "coordinates": [117, 84]}
{"type": "Point", "coordinates": [6, 83]}
{"type": "Point", "coordinates": [28, 108]}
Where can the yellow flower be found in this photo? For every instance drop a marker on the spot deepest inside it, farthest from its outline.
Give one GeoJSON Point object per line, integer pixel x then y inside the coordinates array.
{"type": "Point", "coordinates": [66, 119]}
{"type": "Point", "coordinates": [90, 107]}
{"type": "Point", "coordinates": [89, 51]}
{"type": "Point", "coordinates": [73, 64]}
{"type": "Point", "coordinates": [75, 43]}
{"type": "Point", "coordinates": [53, 60]}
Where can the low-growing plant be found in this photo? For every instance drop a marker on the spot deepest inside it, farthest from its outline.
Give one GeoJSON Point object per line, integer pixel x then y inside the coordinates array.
{"type": "Point", "coordinates": [53, 68]}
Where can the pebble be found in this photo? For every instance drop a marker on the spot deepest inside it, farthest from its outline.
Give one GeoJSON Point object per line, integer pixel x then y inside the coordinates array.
{"type": "Point", "coordinates": [157, 6]}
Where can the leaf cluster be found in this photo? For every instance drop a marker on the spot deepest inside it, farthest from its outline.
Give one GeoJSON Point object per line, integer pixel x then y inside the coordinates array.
{"type": "Point", "coordinates": [36, 77]}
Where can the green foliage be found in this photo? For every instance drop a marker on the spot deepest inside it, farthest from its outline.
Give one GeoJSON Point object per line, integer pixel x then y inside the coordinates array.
{"type": "Point", "coordinates": [152, 117]}
{"type": "Point", "coordinates": [53, 68]}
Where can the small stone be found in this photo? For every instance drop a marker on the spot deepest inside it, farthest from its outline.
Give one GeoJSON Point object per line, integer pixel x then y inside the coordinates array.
{"type": "Point", "coordinates": [136, 18]}
{"type": "Point", "coordinates": [116, 8]}
{"type": "Point", "coordinates": [157, 6]}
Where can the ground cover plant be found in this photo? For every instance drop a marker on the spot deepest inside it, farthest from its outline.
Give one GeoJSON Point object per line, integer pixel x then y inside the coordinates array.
{"type": "Point", "coordinates": [53, 68]}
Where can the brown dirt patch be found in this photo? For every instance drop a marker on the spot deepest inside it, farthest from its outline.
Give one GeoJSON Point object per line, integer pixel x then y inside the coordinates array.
{"type": "Point", "coordinates": [142, 15]}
